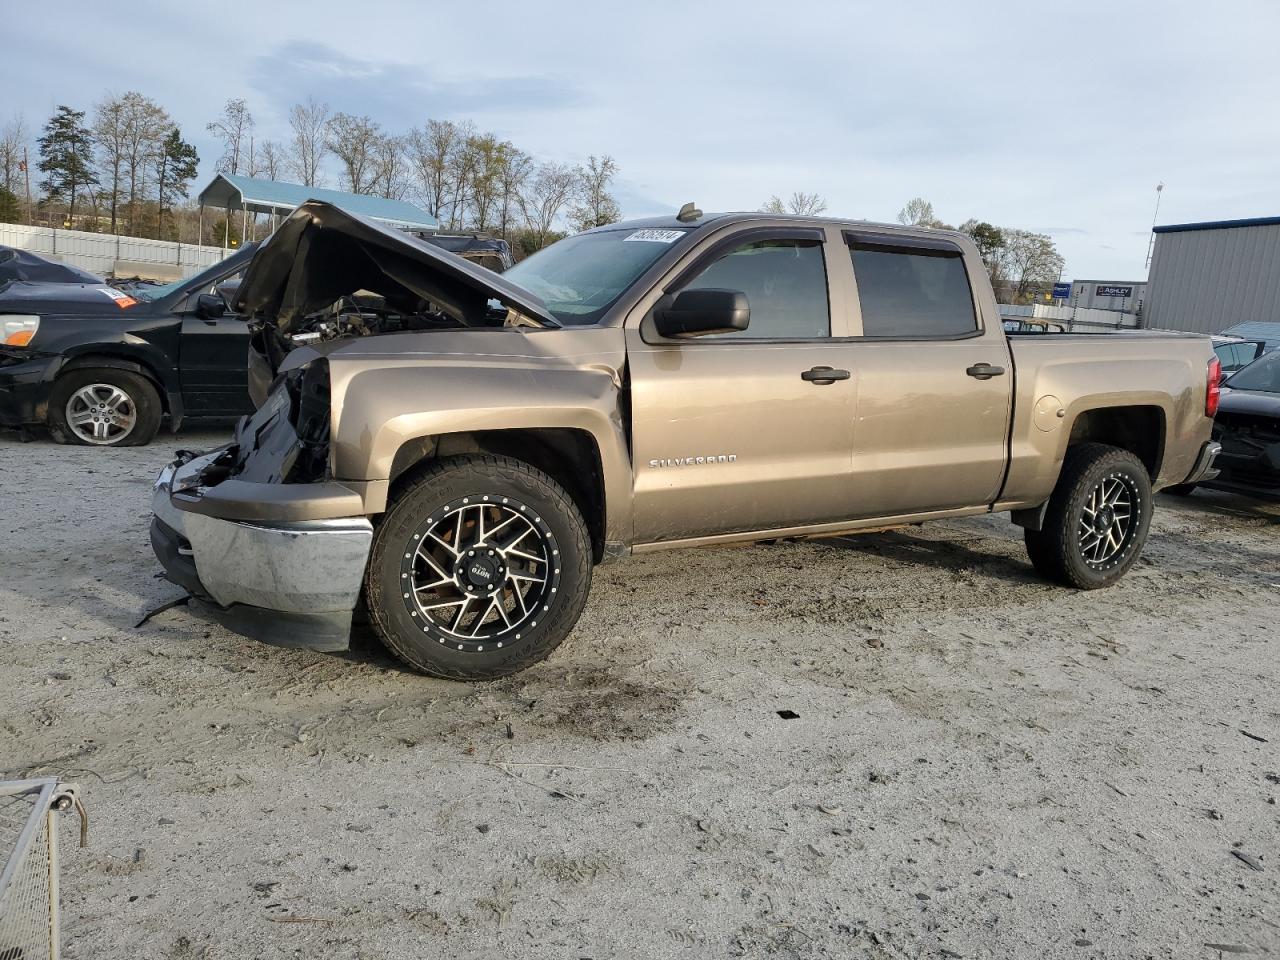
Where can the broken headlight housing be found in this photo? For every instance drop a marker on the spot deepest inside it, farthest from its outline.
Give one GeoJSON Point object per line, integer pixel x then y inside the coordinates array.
{"type": "Point", "coordinates": [287, 439]}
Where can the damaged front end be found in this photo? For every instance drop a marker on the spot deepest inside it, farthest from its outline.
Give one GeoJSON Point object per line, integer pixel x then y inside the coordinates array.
{"type": "Point", "coordinates": [255, 530]}
{"type": "Point", "coordinates": [259, 531]}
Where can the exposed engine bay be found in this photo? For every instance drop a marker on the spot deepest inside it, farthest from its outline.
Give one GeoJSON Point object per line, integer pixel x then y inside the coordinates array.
{"type": "Point", "coordinates": [326, 266]}
{"type": "Point", "coordinates": [363, 314]}
{"type": "Point", "coordinates": [327, 274]}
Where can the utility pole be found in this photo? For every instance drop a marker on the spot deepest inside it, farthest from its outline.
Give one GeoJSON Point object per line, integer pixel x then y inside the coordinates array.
{"type": "Point", "coordinates": [1151, 243]}
{"type": "Point", "coordinates": [26, 168]}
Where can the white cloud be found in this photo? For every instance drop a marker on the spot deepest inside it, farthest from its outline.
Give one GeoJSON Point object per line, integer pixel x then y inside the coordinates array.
{"type": "Point", "coordinates": [1010, 112]}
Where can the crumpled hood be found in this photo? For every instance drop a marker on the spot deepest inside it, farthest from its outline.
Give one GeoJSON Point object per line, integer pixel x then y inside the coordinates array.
{"type": "Point", "coordinates": [322, 253]}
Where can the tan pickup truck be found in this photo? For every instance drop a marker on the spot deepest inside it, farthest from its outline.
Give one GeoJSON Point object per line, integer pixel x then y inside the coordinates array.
{"type": "Point", "coordinates": [454, 450]}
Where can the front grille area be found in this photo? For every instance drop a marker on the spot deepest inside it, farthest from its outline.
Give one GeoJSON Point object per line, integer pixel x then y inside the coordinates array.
{"type": "Point", "coordinates": [1250, 427]}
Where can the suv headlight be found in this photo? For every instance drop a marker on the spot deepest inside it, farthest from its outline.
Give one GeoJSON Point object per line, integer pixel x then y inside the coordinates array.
{"type": "Point", "coordinates": [17, 329]}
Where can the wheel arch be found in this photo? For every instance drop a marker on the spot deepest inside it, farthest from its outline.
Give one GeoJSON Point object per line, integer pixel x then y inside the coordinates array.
{"type": "Point", "coordinates": [1138, 428]}
{"type": "Point", "coordinates": [570, 456]}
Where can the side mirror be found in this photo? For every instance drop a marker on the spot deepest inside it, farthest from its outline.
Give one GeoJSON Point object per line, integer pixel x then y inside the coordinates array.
{"type": "Point", "coordinates": [696, 313]}
{"type": "Point", "coordinates": [210, 306]}
{"type": "Point", "coordinates": [227, 289]}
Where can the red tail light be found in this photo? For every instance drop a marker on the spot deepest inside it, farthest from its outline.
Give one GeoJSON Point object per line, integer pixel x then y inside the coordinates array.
{"type": "Point", "coordinates": [1213, 387]}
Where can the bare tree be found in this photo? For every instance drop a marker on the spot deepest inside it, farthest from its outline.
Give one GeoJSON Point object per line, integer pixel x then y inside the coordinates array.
{"type": "Point", "coordinates": [108, 132]}
{"type": "Point", "coordinates": [233, 128]}
{"type": "Point", "coordinates": [390, 167]}
{"type": "Point", "coordinates": [147, 125]}
{"type": "Point", "coordinates": [468, 178]}
{"type": "Point", "coordinates": [918, 213]}
{"type": "Point", "coordinates": [271, 160]}
{"type": "Point", "coordinates": [801, 203]}
{"type": "Point", "coordinates": [1027, 259]}
{"type": "Point", "coordinates": [310, 124]}
{"type": "Point", "coordinates": [13, 141]}
{"type": "Point", "coordinates": [516, 168]}
{"type": "Point", "coordinates": [486, 178]}
{"type": "Point", "coordinates": [596, 205]}
{"type": "Point", "coordinates": [463, 160]}
{"type": "Point", "coordinates": [548, 193]}
{"type": "Point", "coordinates": [431, 149]}
{"type": "Point", "coordinates": [128, 133]}
{"type": "Point", "coordinates": [354, 141]}
{"type": "Point", "coordinates": [249, 160]}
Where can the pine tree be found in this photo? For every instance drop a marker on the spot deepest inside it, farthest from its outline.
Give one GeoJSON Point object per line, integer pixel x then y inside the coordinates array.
{"type": "Point", "coordinates": [175, 167]}
{"type": "Point", "coordinates": [10, 211]}
{"type": "Point", "coordinates": [66, 157]}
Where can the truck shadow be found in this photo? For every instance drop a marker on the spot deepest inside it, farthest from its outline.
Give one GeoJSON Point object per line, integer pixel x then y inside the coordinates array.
{"type": "Point", "coordinates": [1208, 503]}
{"type": "Point", "coordinates": [949, 554]}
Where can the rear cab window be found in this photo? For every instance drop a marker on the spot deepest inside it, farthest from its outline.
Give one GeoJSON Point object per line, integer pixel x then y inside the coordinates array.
{"type": "Point", "coordinates": [912, 292]}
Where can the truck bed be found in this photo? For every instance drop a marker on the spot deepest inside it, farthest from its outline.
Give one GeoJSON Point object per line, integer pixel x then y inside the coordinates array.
{"type": "Point", "coordinates": [1060, 376]}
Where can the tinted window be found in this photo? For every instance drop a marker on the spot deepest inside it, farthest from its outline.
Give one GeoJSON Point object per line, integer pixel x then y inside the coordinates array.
{"type": "Point", "coordinates": [916, 294]}
{"type": "Point", "coordinates": [1263, 374]}
{"type": "Point", "coordinates": [1236, 355]}
{"type": "Point", "coordinates": [786, 286]}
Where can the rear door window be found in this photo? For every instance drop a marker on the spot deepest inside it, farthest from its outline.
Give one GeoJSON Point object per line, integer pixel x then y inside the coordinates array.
{"type": "Point", "coordinates": [1236, 355]}
{"type": "Point", "coordinates": [911, 294]}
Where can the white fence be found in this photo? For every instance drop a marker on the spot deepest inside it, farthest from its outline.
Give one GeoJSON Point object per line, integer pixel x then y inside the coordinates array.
{"type": "Point", "coordinates": [1073, 317]}
{"type": "Point", "coordinates": [105, 254]}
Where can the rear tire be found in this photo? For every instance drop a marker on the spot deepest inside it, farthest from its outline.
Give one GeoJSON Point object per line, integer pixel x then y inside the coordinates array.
{"type": "Point", "coordinates": [104, 408]}
{"type": "Point", "coordinates": [1097, 519]}
{"type": "Point", "coordinates": [480, 568]}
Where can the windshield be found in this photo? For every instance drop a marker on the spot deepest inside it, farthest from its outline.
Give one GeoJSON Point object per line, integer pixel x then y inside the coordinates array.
{"type": "Point", "coordinates": [146, 291]}
{"type": "Point", "coordinates": [1263, 374]}
{"type": "Point", "coordinates": [580, 277]}
{"type": "Point", "coordinates": [203, 281]}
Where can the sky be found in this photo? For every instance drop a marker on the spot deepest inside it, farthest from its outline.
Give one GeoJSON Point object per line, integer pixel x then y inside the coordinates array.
{"type": "Point", "coordinates": [1060, 118]}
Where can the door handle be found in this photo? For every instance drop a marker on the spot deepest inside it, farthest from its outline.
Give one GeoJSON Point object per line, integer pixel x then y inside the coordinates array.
{"type": "Point", "coordinates": [984, 371]}
{"type": "Point", "coordinates": [824, 375]}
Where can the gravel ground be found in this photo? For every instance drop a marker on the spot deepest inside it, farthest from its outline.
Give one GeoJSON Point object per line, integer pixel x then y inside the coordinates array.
{"type": "Point", "coordinates": [982, 765]}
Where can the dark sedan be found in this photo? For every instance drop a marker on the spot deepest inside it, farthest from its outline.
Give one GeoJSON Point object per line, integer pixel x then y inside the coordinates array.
{"type": "Point", "coordinates": [102, 367]}
{"type": "Point", "coordinates": [1248, 427]}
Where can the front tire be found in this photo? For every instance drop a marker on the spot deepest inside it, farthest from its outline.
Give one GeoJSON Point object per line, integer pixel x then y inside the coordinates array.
{"type": "Point", "coordinates": [1097, 519]}
{"type": "Point", "coordinates": [104, 408]}
{"type": "Point", "coordinates": [480, 568]}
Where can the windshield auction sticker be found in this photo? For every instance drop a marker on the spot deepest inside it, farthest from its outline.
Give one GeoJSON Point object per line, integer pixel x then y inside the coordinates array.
{"type": "Point", "coordinates": [654, 236]}
{"type": "Point", "coordinates": [122, 299]}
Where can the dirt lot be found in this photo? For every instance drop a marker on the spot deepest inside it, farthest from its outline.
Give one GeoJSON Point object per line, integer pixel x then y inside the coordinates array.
{"type": "Point", "coordinates": [982, 765]}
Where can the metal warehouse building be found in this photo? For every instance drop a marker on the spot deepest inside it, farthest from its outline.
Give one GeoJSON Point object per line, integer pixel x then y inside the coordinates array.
{"type": "Point", "coordinates": [1206, 277]}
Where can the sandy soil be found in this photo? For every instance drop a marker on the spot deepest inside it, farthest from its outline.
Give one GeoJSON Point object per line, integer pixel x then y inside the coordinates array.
{"type": "Point", "coordinates": [983, 765]}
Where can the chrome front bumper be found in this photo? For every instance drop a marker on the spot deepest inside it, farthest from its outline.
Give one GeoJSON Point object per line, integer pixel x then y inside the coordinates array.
{"type": "Point", "coordinates": [293, 583]}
